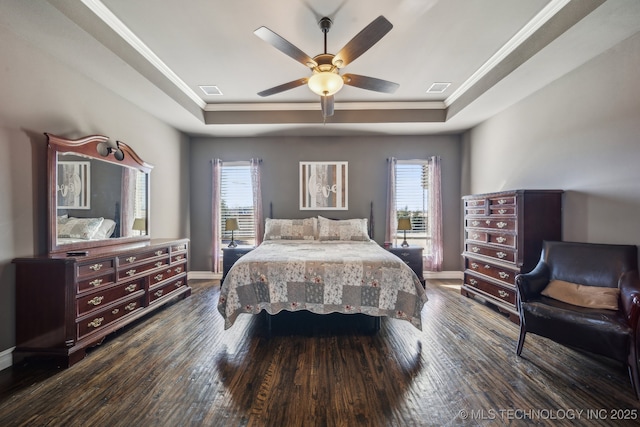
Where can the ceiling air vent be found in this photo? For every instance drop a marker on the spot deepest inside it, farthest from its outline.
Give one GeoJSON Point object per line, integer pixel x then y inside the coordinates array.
{"type": "Point", "coordinates": [211, 90]}
{"type": "Point", "coordinates": [438, 87]}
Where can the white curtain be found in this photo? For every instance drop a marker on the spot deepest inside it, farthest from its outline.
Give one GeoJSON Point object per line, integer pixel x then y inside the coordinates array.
{"type": "Point", "coordinates": [256, 184]}
{"type": "Point", "coordinates": [391, 216]}
{"type": "Point", "coordinates": [433, 257]}
{"type": "Point", "coordinates": [216, 174]}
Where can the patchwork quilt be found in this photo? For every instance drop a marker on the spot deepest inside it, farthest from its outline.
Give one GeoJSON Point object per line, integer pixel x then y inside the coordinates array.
{"type": "Point", "coordinates": [322, 277]}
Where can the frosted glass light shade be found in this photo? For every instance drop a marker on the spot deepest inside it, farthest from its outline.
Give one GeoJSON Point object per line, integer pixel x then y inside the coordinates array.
{"type": "Point", "coordinates": [325, 83]}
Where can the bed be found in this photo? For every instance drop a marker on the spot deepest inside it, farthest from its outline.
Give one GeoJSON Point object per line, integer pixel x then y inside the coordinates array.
{"type": "Point", "coordinates": [322, 266]}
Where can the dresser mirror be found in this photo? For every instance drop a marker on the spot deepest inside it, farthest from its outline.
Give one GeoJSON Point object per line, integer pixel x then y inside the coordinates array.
{"type": "Point", "coordinates": [98, 194]}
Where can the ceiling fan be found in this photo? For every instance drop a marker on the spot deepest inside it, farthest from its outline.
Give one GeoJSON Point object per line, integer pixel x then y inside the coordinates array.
{"type": "Point", "coordinates": [326, 79]}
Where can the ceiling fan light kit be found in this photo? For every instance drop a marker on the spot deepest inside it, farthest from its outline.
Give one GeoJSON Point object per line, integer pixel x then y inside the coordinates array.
{"type": "Point", "coordinates": [326, 79]}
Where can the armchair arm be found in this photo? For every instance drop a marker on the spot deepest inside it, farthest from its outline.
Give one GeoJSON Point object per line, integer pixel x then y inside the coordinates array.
{"type": "Point", "coordinates": [532, 283]}
{"type": "Point", "coordinates": [629, 285]}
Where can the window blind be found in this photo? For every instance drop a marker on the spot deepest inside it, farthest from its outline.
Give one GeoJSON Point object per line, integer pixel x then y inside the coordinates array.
{"type": "Point", "coordinates": [412, 191]}
{"type": "Point", "coordinates": [236, 195]}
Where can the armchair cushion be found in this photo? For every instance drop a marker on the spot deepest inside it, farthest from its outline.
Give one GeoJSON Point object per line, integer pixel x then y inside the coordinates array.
{"type": "Point", "coordinates": [583, 296]}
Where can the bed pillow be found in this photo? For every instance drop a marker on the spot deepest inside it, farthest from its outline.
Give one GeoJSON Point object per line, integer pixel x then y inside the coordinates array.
{"type": "Point", "coordinates": [79, 228]}
{"type": "Point", "coordinates": [583, 296]}
{"type": "Point", "coordinates": [290, 229]}
{"type": "Point", "coordinates": [346, 229]}
{"type": "Point", "coordinates": [105, 230]}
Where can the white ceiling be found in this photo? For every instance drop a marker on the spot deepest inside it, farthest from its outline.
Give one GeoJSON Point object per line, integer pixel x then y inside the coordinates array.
{"type": "Point", "coordinates": [156, 53]}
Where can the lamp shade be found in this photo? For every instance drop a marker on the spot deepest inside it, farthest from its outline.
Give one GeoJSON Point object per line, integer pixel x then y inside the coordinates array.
{"type": "Point", "coordinates": [325, 83]}
{"type": "Point", "coordinates": [140, 224]}
{"type": "Point", "coordinates": [231, 224]}
{"type": "Point", "coordinates": [404, 224]}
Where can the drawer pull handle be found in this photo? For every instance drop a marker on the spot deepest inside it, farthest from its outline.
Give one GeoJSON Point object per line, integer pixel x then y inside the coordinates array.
{"type": "Point", "coordinates": [502, 224]}
{"type": "Point", "coordinates": [502, 211]}
{"type": "Point", "coordinates": [158, 277]}
{"type": "Point", "coordinates": [158, 293]}
{"type": "Point", "coordinates": [178, 283]}
{"type": "Point", "coordinates": [158, 253]}
{"type": "Point", "coordinates": [501, 255]}
{"type": "Point", "coordinates": [130, 272]}
{"type": "Point", "coordinates": [475, 249]}
{"type": "Point", "coordinates": [239, 255]}
{"type": "Point", "coordinates": [475, 223]}
{"type": "Point", "coordinates": [159, 264]}
{"type": "Point", "coordinates": [475, 236]}
{"type": "Point", "coordinates": [96, 322]}
{"type": "Point", "coordinates": [502, 201]}
{"type": "Point", "coordinates": [131, 306]}
{"type": "Point", "coordinates": [95, 300]}
{"type": "Point", "coordinates": [473, 281]}
{"type": "Point", "coordinates": [132, 287]}
{"type": "Point", "coordinates": [405, 254]}
{"type": "Point", "coordinates": [488, 222]}
{"type": "Point", "coordinates": [502, 293]}
{"type": "Point", "coordinates": [501, 239]}
{"type": "Point", "coordinates": [503, 275]}
{"type": "Point", "coordinates": [95, 267]}
{"type": "Point", "coordinates": [474, 265]}
{"type": "Point", "coordinates": [115, 311]}
{"type": "Point", "coordinates": [95, 282]}
{"type": "Point", "coordinates": [179, 258]}
{"type": "Point", "coordinates": [179, 270]}
{"type": "Point", "coordinates": [487, 267]}
{"type": "Point", "coordinates": [131, 259]}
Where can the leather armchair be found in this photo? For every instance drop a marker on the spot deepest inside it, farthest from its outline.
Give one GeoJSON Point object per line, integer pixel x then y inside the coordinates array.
{"type": "Point", "coordinates": [610, 333]}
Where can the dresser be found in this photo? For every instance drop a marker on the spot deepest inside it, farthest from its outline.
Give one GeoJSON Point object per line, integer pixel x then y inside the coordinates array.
{"type": "Point", "coordinates": [412, 256]}
{"type": "Point", "coordinates": [65, 304]}
{"type": "Point", "coordinates": [231, 255]}
{"type": "Point", "coordinates": [503, 237]}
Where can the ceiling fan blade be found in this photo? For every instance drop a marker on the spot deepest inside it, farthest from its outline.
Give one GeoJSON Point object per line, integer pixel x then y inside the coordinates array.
{"type": "Point", "coordinates": [326, 102]}
{"type": "Point", "coordinates": [370, 83]}
{"type": "Point", "coordinates": [362, 41]}
{"type": "Point", "coordinates": [285, 47]}
{"type": "Point", "coordinates": [286, 86]}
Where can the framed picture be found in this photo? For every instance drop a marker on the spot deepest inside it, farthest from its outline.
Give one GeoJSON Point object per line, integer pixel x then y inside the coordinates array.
{"type": "Point", "coordinates": [74, 185]}
{"type": "Point", "coordinates": [323, 186]}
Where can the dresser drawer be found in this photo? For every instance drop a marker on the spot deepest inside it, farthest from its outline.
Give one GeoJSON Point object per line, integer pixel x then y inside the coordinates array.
{"type": "Point", "coordinates": [493, 223]}
{"type": "Point", "coordinates": [179, 247]}
{"type": "Point", "coordinates": [125, 260]}
{"type": "Point", "coordinates": [95, 267]}
{"type": "Point", "coordinates": [499, 273]}
{"type": "Point", "coordinates": [166, 289]}
{"type": "Point", "coordinates": [90, 324]}
{"type": "Point", "coordinates": [502, 210]}
{"type": "Point", "coordinates": [135, 270]}
{"type": "Point", "coordinates": [504, 293]}
{"type": "Point", "coordinates": [93, 283]}
{"type": "Point", "coordinates": [502, 201]}
{"type": "Point", "coordinates": [99, 299]}
{"type": "Point", "coordinates": [161, 275]}
{"type": "Point", "coordinates": [507, 255]}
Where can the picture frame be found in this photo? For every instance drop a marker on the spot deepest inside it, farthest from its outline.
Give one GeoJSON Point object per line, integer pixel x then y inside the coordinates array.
{"type": "Point", "coordinates": [324, 185]}
{"type": "Point", "coordinates": [73, 187]}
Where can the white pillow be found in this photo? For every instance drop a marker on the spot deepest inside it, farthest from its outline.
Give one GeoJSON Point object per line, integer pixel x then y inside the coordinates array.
{"type": "Point", "coordinates": [105, 230]}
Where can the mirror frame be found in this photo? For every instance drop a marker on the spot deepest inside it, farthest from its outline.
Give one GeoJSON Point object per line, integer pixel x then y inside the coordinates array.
{"type": "Point", "coordinates": [93, 147]}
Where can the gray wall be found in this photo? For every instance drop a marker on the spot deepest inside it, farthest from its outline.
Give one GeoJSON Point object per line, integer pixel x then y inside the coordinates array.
{"type": "Point", "coordinates": [41, 95]}
{"type": "Point", "coordinates": [580, 134]}
{"type": "Point", "coordinates": [367, 179]}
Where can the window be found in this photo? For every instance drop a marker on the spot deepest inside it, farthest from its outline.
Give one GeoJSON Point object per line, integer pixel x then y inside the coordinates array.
{"type": "Point", "coordinates": [412, 192]}
{"type": "Point", "coordinates": [236, 201]}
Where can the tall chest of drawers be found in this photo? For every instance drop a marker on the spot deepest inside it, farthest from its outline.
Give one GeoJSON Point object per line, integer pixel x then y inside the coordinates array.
{"type": "Point", "coordinates": [503, 237]}
{"type": "Point", "coordinates": [66, 304]}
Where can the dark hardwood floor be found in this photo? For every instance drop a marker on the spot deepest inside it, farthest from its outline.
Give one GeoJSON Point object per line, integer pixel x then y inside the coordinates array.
{"type": "Point", "coordinates": [179, 367]}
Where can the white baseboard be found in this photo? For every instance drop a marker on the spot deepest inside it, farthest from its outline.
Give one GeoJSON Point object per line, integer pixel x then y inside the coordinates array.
{"type": "Point", "coordinates": [6, 358]}
{"type": "Point", "coordinates": [443, 275]}
{"type": "Point", "coordinates": [204, 275]}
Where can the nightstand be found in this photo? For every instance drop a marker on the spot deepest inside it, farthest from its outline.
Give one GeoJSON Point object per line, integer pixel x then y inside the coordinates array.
{"type": "Point", "coordinates": [231, 255]}
{"type": "Point", "coordinates": [412, 256]}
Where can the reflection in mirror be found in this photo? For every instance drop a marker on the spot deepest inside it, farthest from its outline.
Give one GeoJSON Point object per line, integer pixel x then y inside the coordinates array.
{"type": "Point", "coordinates": [99, 194]}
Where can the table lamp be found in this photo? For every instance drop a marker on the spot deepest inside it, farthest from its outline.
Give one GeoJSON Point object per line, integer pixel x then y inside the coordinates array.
{"type": "Point", "coordinates": [231, 224]}
{"type": "Point", "coordinates": [404, 224]}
